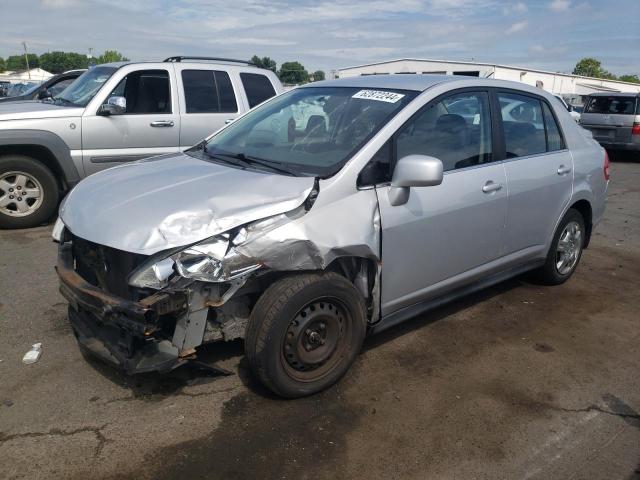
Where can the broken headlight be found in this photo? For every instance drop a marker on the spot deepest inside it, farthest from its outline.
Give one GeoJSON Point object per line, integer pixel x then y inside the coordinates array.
{"type": "Point", "coordinates": [213, 260]}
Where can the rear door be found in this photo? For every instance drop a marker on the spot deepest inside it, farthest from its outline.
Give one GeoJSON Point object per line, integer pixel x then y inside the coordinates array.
{"type": "Point", "coordinates": [610, 118]}
{"type": "Point", "coordinates": [539, 171]}
{"type": "Point", "coordinates": [150, 126]}
{"type": "Point", "coordinates": [208, 99]}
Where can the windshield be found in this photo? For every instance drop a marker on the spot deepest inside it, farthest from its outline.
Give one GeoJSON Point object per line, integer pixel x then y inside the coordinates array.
{"type": "Point", "coordinates": [613, 104]}
{"type": "Point", "coordinates": [308, 131]}
{"type": "Point", "coordinates": [31, 89]}
{"type": "Point", "coordinates": [80, 92]}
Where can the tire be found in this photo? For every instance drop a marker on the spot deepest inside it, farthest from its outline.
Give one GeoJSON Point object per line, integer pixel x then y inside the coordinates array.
{"type": "Point", "coordinates": [304, 333]}
{"type": "Point", "coordinates": [551, 272]}
{"type": "Point", "coordinates": [20, 173]}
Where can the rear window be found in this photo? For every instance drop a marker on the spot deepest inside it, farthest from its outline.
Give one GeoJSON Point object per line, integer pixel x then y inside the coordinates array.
{"type": "Point", "coordinates": [258, 88]}
{"type": "Point", "coordinates": [611, 105]}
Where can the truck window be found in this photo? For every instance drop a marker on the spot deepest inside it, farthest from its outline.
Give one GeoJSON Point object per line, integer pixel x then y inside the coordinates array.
{"type": "Point", "coordinates": [258, 88]}
{"type": "Point", "coordinates": [208, 91]}
{"type": "Point", "coordinates": [611, 105]}
{"type": "Point", "coordinates": [146, 91]}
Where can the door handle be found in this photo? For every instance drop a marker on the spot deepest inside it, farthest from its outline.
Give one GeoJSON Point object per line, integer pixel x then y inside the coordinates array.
{"type": "Point", "coordinates": [228, 121]}
{"type": "Point", "coordinates": [491, 187]}
{"type": "Point", "coordinates": [562, 170]}
{"type": "Point", "coordinates": [162, 123]}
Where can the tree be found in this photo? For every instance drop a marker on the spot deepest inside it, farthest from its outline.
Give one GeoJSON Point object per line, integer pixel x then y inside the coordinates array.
{"type": "Point", "coordinates": [264, 62]}
{"type": "Point", "coordinates": [591, 67]}
{"type": "Point", "coordinates": [293, 73]}
{"type": "Point", "coordinates": [629, 78]}
{"type": "Point", "coordinates": [16, 62]}
{"type": "Point", "coordinates": [111, 56]}
{"type": "Point", "coordinates": [2, 65]}
{"type": "Point", "coordinates": [57, 62]}
{"type": "Point", "coordinates": [318, 75]}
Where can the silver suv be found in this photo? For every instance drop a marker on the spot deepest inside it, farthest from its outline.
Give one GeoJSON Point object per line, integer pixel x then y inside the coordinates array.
{"type": "Point", "coordinates": [613, 119]}
{"type": "Point", "coordinates": [112, 114]}
{"type": "Point", "coordinates": [336, 209]}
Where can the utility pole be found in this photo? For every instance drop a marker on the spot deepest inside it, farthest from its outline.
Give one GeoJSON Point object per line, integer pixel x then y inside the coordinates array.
{"type": "Point", "coordinates": [26, 59]}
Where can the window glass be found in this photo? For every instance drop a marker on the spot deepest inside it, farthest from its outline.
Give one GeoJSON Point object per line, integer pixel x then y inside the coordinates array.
{"type": "Point", "coordinates": [146, 91]}
{"type": "Point", "coordinates": [258, 88]}
{"type": "Point", "coordinates": [554, 139]}
{"type": "Point", "coordinates": [457, 130]}
{"type": "Point", "coordinates": [308, 131]}
{"type": "Point", "coordinates": [200, 91]}
{"type": "Point", "coordinates": [523, 125]}
{"type": "Point", "coordinates": [612, 105]}
{"type": "Point", "coordinates": [208, 91]}
{"type": "Point", "coordinates": [378, 169]}
{"type": "Point", "coordinates": [81, 92]}
{"type": "Point", "coordinates": [57, 88]}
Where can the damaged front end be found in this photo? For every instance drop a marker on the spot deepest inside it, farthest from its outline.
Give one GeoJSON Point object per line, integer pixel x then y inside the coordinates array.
{"type": "Point", "coordinates": [149, 312]}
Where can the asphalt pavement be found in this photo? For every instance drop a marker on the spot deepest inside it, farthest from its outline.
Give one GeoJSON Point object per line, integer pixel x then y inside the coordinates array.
{"type": "Point", "coordinates": [520, 381]}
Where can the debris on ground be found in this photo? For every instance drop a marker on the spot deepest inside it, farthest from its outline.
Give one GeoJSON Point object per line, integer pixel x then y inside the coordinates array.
{"type": "Point", "coordinates": [33, 355]}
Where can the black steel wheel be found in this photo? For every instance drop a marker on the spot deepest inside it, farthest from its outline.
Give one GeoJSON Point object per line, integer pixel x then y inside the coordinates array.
{"type": "Point", "coordinates": [305, 332]}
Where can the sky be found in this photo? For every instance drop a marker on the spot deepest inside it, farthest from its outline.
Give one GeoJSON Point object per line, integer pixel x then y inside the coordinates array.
{"type": "Point", "coordinates": [327, 35]}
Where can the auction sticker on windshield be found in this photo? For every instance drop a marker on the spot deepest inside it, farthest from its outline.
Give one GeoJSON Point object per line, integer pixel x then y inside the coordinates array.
{"type": "Point", "coordinates": [378, 95]}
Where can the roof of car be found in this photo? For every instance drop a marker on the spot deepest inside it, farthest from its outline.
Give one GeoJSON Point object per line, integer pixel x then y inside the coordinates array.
{"type": "Point", "coordinates": [417, 82]}
{"type": "Point", "coordinates": [614, 94]}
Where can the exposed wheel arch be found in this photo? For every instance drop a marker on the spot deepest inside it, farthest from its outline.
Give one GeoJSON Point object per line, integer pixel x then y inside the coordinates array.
{"type": "Point", "coordinates": [584, 207]}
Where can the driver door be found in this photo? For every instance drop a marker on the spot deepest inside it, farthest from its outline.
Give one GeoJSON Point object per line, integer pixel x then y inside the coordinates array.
{"type": "Point", "coordinates": [150, 125]}
{"type": "Point", "coordinates": [446, 235]}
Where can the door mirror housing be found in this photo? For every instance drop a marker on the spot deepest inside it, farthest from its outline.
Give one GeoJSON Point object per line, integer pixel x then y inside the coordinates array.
{"type": "Point", "coordinates": [114, 106]}
{"type": "Point", "coordinates": [44, 94]}
{"type": "Point", "coordinates": [414, 171]}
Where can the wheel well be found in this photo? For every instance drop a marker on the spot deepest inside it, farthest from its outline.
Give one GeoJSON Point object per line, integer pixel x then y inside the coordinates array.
{"type": "Point", "coordinates": [584, 207]}
{"type": "Point", "coordinates": [42, 155]}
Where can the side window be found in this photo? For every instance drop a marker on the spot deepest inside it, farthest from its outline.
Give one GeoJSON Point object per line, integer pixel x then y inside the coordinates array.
{"type": "Point", "coordinates": [208, 91]}
{"type": "Point", "coordinates": [146, 91]}
{"type": "Point", "coordinates": [522, 124]}
{"type": "Point", "coordinates": [456, 129]}
{"type": "Point", "coordinates": [258, 88]}
{"type": "Point", "coordinates": [554, 139]}
{"type": "Point", "coordinates": [378, 169]}
{"type": "Point", "coordinates": [57, 88]}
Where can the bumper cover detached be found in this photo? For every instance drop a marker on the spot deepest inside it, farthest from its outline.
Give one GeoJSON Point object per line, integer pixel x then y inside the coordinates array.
{"type": "Point", "coordinates": [116, 330]}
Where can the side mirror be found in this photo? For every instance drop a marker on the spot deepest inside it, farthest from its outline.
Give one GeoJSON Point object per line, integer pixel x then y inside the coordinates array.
{"type": "Point", "coordinates": [114, 106]}
{"type": "Point", "coordinates": [414, 171]}
{"type": "Point", "coordinates": [44, 94]}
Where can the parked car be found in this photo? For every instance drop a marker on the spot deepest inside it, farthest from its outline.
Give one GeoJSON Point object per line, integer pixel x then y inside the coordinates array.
{"type": "Point", "coordinates": [17, 89]}
{"type": "Point", "coordinates": [613, 119]}
{"type": "Point", "coordinates": [112, 114]}
{"type": "Point", "coordinates": [575, 113]}
{"type": "Point", "coordinates": [302, 232]}
{"type": "Point", "coordinates": [47, 89]}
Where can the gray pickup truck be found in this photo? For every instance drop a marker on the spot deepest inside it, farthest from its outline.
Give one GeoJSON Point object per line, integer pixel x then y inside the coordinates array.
{"type": "Point", "coordinates": [613, 119]}
{"type": "Point", "coordinates": [116, 113]}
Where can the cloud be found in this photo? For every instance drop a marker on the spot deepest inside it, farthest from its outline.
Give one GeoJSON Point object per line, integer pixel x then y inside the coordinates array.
{"type": "Point", "coordinates": [560, 5]}
{"type": "Point", "coordinates": [517, 27]}
{"type": "Point", "coordinates": [515, 8]}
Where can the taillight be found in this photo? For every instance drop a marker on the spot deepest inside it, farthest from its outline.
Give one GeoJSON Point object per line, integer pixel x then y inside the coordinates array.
{"type": "Point", "coordinates": [636, 129]}
{"type": "Point", "coordinates": [607, 163]}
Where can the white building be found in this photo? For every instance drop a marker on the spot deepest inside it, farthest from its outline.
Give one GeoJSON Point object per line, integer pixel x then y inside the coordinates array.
{"type": "Point", "coordinates": [33, 75]}
{"type": "Point", "coordinates": [571, 87]}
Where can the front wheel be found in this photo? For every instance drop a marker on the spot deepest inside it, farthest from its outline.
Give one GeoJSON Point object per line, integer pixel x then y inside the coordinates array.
{"type": "Point", "coordinates": [565, 251]}
{"type": "Point", "coordinates": [305, 332]}
{"type": "Point", "coordinates": [28, 192]}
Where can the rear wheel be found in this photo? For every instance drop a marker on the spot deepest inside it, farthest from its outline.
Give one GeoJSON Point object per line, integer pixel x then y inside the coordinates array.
{"type": "Point", "coordinates": [28, 192]}
{"type": "Point", "coordinates": [305, 332]}
{"type": "Point", "coordinates": [566, 250]}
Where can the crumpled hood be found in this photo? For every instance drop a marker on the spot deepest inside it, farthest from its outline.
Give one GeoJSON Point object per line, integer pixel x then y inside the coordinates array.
{"type": "Point", "coordinates": [22, 110]}
{"type": "Point", "coordinates": [174, 200]}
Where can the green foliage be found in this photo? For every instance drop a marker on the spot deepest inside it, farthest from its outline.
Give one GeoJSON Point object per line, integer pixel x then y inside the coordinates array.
{"type": "Point", "coordinates": [58, 62]}
{"type": "Point", "coordinates": [318, 75]}
{"type": "Point", "coordinates": [17, 62]}
{"type": "Point", "coordinates": [264, 62]}
{"type": "Point", "coordinates": [629, 78]}
{"type": "Point", "coordinates": [293, 73]}
{"type": "Point", "coordinates": [111, 56]}
{"type": "Point", "coordinates": [591, 67]}
{"type": "Point", "coordinates": [2, 65]}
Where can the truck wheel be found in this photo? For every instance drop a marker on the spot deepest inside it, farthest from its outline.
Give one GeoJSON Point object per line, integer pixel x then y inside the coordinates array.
{"type": "Point", "coordinates": [305, 332]}
{"type": "Point", "coordinates": [565, 251]}
{"type": "Point", "coordinates": [28, 192]}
